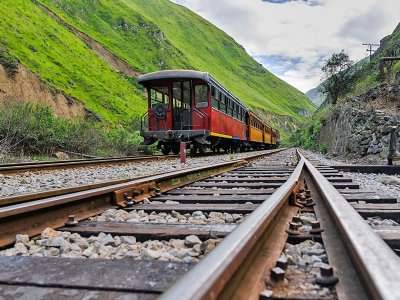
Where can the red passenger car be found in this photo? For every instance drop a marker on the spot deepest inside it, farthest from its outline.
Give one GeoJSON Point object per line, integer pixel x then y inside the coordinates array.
{"type": "Point", "coordinates": [192, 106]}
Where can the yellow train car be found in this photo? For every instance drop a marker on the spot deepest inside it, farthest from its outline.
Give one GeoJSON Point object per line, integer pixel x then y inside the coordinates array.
{"type": "Point", "coordinates": [255, 129]}
{"type": "Point", "coordinates": [267, 135]}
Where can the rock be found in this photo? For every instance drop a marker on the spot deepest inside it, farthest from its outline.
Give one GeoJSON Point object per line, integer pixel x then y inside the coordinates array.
{"type": "Point", "coordinates": [208, 245]}
{"type": "Point", "coordinates": [390, 180]}
{"type": "Point", "coordinates": [189, 259]}
{"type": "Point", "coordinates": [22, 238]}
{"type": "Point", "coordinates": [166, 256]}
{"type": "Point", "coordinates": [74, 237]}
{"type": "Point", "coordinates": [237, 217]}
{"type": "Point", "coordinates": [178, 244]}
{"type": "Point", "coordinates": [130, 240]}
{"type": "Point", "coordinates": [51, 252]}
{"type": "Point", "coordinates": [49, 233]}
{"type": "Point", "coordinates": [61, 155]}
{"type": "Point", "coordinates": [149, 254]}
{"type": "Point", "coordinates": [314, 251]}
{"type": "Point", "coordinates": [20, 249]}
{"type": "Point", "coordinates": [197, 213]}
{"type": "Point", "coordinates": [106, 239]}
{"type": "Point", "coordinates": [228, 218]}
{"type": "Point", "coordinates": [192, 240]}
{"type": "Point", "coordinates": [53, 242]}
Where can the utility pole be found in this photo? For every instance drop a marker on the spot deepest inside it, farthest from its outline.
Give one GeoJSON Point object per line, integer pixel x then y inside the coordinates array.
{"type": "Point", "coordinates": [370, 50]}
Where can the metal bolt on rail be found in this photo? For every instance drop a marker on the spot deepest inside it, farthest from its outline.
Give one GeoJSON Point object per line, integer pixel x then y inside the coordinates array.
{"type": "Point", "coordinates": [310, 202]}
{"type": "Point", "coordinates": [277, 274]}
{"type": "Point", "coordinates": [327, 277]}
{"type": "Point", "coordinates": [282, 263]}
{"type": "Point", "coordinates": [316, 227]}
{"type": "Point", "coordinates": [296, 219]}
{"type": "Point", "coordinates": [266, 294]}
{"type": "Point", "coordinates": [308, 193]}
{"type": "Point", "coordinates": [72, 221]}
{"type": "Point", "coordinates": [293, 229]}
{"type": "Point", "coordinates": [158, 192]}
{"type": "Point", "coordinates": [128, 200]}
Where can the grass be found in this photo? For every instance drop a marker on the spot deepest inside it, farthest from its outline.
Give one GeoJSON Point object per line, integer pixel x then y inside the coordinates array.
{"type": "Point", "coordinates": [66, 63]}
{"type": "Point", "coordinates": [157, 34]}
{"type": "Point", "coordinates": [29, 129]}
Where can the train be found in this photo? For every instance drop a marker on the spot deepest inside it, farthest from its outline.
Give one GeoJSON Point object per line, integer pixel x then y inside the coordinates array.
{"type": "Point", "coordinates": [193, 107]}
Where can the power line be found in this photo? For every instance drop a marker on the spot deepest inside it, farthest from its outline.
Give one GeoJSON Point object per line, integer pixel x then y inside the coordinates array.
{"type": "Point", "coordinates": [370, 50]}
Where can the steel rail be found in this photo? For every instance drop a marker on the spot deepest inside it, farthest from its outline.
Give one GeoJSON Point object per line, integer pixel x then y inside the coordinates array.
{"type": "Point", "coordinates": [74, 163]}
{"type": "Point", "coordinates": [376, 264]}
{"type": "Point", "coordinates": [20, 198]}
{"type": "Point", "coordinates": [33, 216]}
{"type": "Point", "coordinates": [10, 168]}
{"type": "Point", "coordinates": [209, 277]}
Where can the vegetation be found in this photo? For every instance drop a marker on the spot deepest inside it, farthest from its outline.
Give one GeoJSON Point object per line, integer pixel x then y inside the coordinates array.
{"type": "Point", "coordinates": [9, 62]}
{"type": "Point", "coordinates": [66, 63]}
{"type": "Point", "coordinates": [31, 129]}
{"type": "Point", "coordinates": [306, 136]}
{"type": "Point", "coordinates": [144, 34]}
{"type": "Point", "coordinates": [338, 77]}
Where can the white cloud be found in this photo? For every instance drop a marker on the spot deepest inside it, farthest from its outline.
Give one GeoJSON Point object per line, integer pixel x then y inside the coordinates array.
{"type": "Point", "coordinates": [302, 31]}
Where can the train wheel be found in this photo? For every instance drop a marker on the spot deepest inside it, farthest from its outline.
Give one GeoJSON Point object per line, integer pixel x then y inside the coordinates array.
{"type": "Point", "coordinates": [175, 151]}
{"type": "Point", "coordinates": [165, 150]}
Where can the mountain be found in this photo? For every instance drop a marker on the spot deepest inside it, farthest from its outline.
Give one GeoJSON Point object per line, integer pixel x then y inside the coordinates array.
{"type": "Point", "coordinates": [316, 96]}
{"type": "Point", "coordinates": [367, 71]}
{"type": "Point", "coordinates": [92, 51]}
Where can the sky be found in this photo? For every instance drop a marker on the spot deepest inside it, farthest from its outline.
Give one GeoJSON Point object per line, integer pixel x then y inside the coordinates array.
{"type": "Point", "coordinates": [293, 38]}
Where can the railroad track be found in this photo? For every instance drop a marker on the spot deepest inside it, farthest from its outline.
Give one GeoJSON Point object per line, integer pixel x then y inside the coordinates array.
{"type": "Point", "coordinates": [11, 168]}
{"type": "Point", "coordinates": [244, 207]}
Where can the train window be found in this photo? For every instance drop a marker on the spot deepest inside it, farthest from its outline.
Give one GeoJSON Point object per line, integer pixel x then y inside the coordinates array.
{"type": "Point", "coordinates": [159, 95]}
{"type": "Point", "coordinates": [201, 95]}
{"type": "Point", "coordinates": [229, 107]}
{"type": "Point", "coordinates": [222, 106]}
{"type": "Point", "coordinates": [215, 103]}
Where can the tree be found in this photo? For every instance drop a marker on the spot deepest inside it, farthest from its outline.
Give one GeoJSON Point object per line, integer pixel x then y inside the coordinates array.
{"type": "Point", "coordinates": [338, 75]}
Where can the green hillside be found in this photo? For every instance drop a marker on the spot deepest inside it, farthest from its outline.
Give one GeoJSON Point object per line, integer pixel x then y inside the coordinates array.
{"type": "Point", "coordinates": [149, 35]}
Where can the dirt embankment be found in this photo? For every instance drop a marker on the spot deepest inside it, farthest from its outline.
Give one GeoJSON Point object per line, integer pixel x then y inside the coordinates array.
{"type": "Point", "coordinates": [26, 87]}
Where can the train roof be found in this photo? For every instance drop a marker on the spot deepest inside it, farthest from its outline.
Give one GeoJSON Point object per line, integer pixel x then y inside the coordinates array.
{"type": "Point", "coordinates": [186, 74]}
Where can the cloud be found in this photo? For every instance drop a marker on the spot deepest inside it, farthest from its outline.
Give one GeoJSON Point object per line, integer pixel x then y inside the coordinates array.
{"type": "Point", "coordinates": [309, 2]}
{"type": "Point", "coordinates": [292, 38]}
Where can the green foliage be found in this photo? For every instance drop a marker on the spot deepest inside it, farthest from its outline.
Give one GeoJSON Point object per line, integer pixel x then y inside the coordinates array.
{"type": "Point", "coordinates": [9, 62]}
{"type": "Point", "coordinates": [307, 136]}
{"type": "Point", "coordinates": [323, 149]}
{"type": "Point", "coordinates": [157, 34]}
{"type": "Point", "coordinates": [66, 63]}
{"type": "Point", "coordinates": [337, 75]}
{"type": "Point", "coordinates": [34, 130]}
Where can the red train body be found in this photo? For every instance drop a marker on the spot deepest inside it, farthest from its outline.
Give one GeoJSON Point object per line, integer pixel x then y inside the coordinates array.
{"type": "Point", "coordinates": [192, 106]}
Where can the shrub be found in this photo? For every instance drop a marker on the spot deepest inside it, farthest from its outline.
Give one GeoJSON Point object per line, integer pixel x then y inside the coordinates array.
{"type": "Point", "coordinates": [323, 149]}
{"type": "Point", "coordinates": [9, 62]}
{"type": "Point", "coordinates": [33, 129]}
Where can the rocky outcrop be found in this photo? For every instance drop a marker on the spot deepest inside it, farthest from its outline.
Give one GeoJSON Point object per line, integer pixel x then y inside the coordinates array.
{"type": "Point", "coordinates": [360, 126]}
{"type": "Point", "coordinates": [353, 132]}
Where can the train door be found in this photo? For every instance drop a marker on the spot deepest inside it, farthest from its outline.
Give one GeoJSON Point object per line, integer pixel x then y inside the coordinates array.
{"type": "Point", "coordinates": [200, 115]}
{"type": "Point", "coordinates": [181, 105]}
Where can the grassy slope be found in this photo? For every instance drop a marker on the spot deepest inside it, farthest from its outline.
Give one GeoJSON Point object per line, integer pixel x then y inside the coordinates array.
{"type": "Point", "coordinates": [129, 28]}
{"type": "Point", "coordinates": [65, 62]}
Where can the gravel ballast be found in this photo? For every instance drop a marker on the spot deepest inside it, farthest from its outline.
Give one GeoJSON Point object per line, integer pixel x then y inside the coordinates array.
{"type": "Point", "coordinates": [52, 243]}
{"type": "Point", "coordinates": [197, 217]}
{"type": "Point", "coordinates": [35, 181]}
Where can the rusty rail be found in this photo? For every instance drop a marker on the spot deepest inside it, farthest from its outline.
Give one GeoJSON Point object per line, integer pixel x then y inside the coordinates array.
{"type": "Point", "coordinates": [376, 264]}
{"type": "Point", "coordinates": [208, 279]}
{"type": "Point", "coordinates": [33, 216]}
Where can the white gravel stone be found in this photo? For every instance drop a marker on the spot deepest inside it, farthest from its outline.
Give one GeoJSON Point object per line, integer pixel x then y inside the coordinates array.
{"type": "Point", "coordinates": [35, 181]}
{"type": "Point", "coordinates": [192, 240]}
